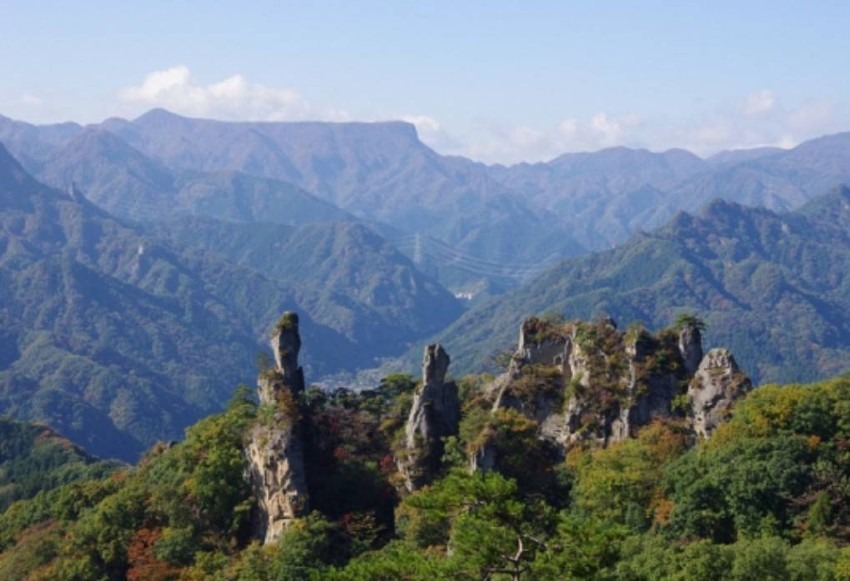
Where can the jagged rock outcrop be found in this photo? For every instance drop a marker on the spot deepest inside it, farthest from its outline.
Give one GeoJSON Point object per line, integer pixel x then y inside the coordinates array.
{"type": "Point", "coordinates": [589, 382]}
{"type": "Point", "coordinates": [716, 385]}
{"type": "Point", "coordinates": [434, 415]}
{"type": "Point", "coordinates": [275, 450]}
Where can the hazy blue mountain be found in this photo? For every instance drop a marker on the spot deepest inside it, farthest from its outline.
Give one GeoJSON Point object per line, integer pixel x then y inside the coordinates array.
{"type": "Point", "coordinates": [345, 275]}
{"type": "Point", "coordinates": [607, 195]}
{"type": "Point", "coordinates": [478, 228]}
{"type": "Point", "coordinates": [604, 196]}
{"type": "Point", "coordinates": [112, 174]}
{"type": "Point", "coordinates": [127, 183]}
{"type": "Point", "coordinates": [32, 144]}
{"type": "Point", "coordinates": [376, 171]}
{"type": "Point", "coordinates": [775, 288]}
{"type": "Point", "coordinates": [117, 339]}
{"type": "Point", "coordinates": [162, 163]}
{"type": "Point", "coordinates": [732, 156]}
{"type": "Point", "coordinates": [781, 181]}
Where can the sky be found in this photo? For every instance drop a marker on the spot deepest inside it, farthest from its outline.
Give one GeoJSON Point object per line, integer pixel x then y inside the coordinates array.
{"type": "Point", "coordinates": [496, 81]}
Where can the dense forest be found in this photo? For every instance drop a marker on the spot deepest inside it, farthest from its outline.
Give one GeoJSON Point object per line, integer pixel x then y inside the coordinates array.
{"type": "Point", "coordinates": [765, 497]}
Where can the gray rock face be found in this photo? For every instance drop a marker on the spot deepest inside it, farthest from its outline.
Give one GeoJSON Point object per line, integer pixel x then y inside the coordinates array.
{"type": "Point", "coordinates": [648, 395]}
{"type": "Point", "coordinates": [275, 449]}
{"type": "Point", "coordinates": [435, 414]}
{"type": "Point", "coordinates": [537, 347]}
{"type": "Point", "coordinates": [286, 344]}
{"type": "Point", "coordinates": [690, 347]}
{"type": "Point", "coordinates": [718, 383]}
{"type": "Point", "coordinates": [589, 382]}
{"type": "Point", "coordinates": [483, 459]}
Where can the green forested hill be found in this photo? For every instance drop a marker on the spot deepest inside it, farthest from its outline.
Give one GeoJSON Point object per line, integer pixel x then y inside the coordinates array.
{"type": "Point", "coordinates": [765, 498]}
{"type": "Point", "coordinates": [345, 275]}
{"type": "Point", "coordinates": [774, 288]}
{"type": "Point", "coordinates": [118, 339]}
{"type": "Point", "coordinates": [35, 458]}
{"type": "Point", "coordinates": [109, 336]}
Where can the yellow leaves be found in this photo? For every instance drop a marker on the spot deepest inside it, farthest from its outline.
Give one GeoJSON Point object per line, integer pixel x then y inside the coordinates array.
{"type": "Point", "coordinates": [662, 509]}
{"type": "Point", "coordinates": [812, 442]}
{"type": "Point", "coordinates": [765, 411]}
{"type": "Point", "coordinates": [663, 441]}
{"type": "Point", "coordinates": [621, 481]}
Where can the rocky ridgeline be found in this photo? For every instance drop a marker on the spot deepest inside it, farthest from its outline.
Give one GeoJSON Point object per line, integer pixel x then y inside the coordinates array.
{"type": "Point", "coordinates": [581, 383]}
{"type": "Point", "coordinates": [589, 383]}
{"type": "Point", "coordinates": [276, 448]}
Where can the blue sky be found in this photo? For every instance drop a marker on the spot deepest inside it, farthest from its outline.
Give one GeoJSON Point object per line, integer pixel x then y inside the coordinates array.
{"type": "Point", "coordinates": [497, 81]}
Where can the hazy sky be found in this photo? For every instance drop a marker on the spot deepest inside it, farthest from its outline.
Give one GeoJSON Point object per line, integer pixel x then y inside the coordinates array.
{"type": "Point", "coordinates": [494, 80]}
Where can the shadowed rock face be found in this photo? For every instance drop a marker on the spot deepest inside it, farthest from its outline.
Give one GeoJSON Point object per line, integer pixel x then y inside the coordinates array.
{"type": "Point", "coordinates": [435, 414]}
{"type": "Point", "coordinates": [716, 385]}
{"type": "Point", "coordinates": [276, 449]}
{"type": "Point", "coordinates": [286, 345]}
{"type": "Point", "coordinates": [690, 347]}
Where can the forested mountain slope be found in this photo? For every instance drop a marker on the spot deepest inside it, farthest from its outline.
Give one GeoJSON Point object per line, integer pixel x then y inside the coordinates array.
{"type": "Point", "coordinates": [526, 215]}
{"type": "Point", "coordinates": [772, 287]}
{"type": "Point", "coordinates": [117, 338]}
{"type": "Point", "coordinates": [763, 497]}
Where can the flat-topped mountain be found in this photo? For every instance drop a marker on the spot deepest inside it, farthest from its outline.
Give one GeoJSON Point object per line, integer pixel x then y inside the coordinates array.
{"type": "Point", "coordinates": [381, 172]}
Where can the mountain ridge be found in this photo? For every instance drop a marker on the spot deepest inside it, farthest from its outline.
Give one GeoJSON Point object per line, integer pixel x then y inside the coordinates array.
{"type": "Point", "coordinates": [118, 337]}
{"type": "Point", "coordinates": [771, 281]}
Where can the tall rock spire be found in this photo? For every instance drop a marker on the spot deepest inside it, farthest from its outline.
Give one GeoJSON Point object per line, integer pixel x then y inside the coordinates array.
{"type": "Point", "coordinates": [435, 414]}
{"type": "Point", "coordinates": [276, 449]}
{"type": "Point", "coordinates": [690, 346]}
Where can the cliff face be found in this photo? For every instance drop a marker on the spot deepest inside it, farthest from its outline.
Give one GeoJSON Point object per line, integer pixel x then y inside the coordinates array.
{"type": "Point", "coordinates": [435, 414]}
{"type": "Point", "coordinates": [716, 385]}
{"type": "Point", "coordinates": [275, 449]}
{"type": "Point", "coordinates": [591, 383]}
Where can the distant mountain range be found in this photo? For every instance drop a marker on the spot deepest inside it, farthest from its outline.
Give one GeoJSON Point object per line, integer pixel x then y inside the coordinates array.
{"type": "Point", "coordinates": [774, 288]}
{"type": "Point", "coordinates": [481, 229]}
{"type": "Point", "coordinates": [118, 337]}
{"type": "Point", "coordinates": [142, 262]}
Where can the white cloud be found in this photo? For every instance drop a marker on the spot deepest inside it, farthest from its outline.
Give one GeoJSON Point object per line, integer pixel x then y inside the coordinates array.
{"type": "Point", "coordinates": [424, 124]}
{"type": "Point", "coordinates": [234, 98]}
{"type": "Point", "coordinates": [762, 121]}
{"type": "Point", "coordinates": [30, 100]}
{"type": "Point", "coordinates": [432, 133]}
{"type": "Point", "coordinates": [607, 128]}
{"type": "Point", "coordinates": [758, 103]}
{"type": "Point", "coordinates": [757, 119]}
